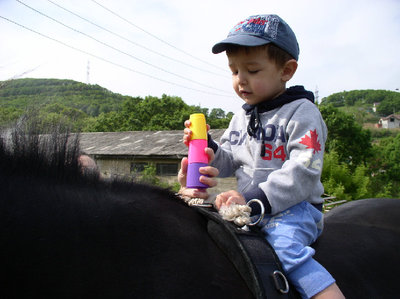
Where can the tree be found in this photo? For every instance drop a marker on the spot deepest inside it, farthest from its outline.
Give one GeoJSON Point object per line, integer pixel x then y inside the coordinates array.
{"type": "Point", "coordinates": [388, 107]}
{"type": "Point", "coordinates": [165, 113]}
{"type": "Point", "coordinates": [218, 120]}
{"type": "Point", "coordinates": [105, 122]}
{"type": "Point", "coordinates": [384, 166]}
{"type": "Point", "coordinates": [348, 139]}
{"type": "Point", "coordinates": [8, 115]}
{"type": "Point", "coordinates": [72, 117]}
{"type": "Point", "coordinates": [340, 181]}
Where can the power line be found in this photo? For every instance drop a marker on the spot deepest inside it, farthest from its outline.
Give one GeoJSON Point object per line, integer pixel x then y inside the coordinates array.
{"type": "Point", "coordinates": [134, 43]}
{"type": "Point", "coordinates": [18, 76]}
{"type": "Point", "coordinates": [109, 61]}
{"type": "Point", "coordinates": [157, 38]}
{"type": "Point", "coordinates": [120, 51]}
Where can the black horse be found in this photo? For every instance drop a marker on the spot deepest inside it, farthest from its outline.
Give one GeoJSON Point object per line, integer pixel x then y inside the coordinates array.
{"type": "Point", "coordinates": [66, 235]}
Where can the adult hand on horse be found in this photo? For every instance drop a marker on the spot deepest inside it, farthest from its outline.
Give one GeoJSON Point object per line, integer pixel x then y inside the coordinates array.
{"type": "Point", "coordinates": [88, 166]}
{"type": "Point", "coordinates": [208, 178]}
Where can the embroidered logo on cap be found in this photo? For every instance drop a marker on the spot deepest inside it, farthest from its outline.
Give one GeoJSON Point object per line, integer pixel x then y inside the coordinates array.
{"type": "Point", "coordinates": [258, 25]}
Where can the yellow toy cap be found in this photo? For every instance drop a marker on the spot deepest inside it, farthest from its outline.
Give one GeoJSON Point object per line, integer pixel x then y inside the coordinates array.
{"type": "Point", "coordinates": [198, 126]}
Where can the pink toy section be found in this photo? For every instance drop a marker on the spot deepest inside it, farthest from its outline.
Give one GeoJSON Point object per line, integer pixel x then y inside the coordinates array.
{"type": "Point", "coordinates": [196, 151]}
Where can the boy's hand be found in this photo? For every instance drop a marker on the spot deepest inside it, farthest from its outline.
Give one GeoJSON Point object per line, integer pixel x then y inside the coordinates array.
{"type": "Point", "coordinates": [187, 133]}
{"type": "Point", "coordinates": [208, 177]}
{"type": "Point", "coordinates": [228, 198]}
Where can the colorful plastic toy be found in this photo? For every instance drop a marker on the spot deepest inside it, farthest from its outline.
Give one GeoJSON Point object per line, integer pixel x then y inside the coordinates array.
{"type": "Point", "coordinates": [196, 156]}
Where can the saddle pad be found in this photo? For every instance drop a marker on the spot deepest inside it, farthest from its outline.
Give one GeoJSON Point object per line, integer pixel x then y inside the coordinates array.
{"type": "Point", "coordinates": [251, 255]}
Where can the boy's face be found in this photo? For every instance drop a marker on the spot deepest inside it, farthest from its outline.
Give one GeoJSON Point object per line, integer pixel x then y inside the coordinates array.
{"type": "Point", "coordinates": [255, 77]}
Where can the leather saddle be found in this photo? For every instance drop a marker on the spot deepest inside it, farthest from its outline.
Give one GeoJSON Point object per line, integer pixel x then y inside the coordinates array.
{"type": "Point", "coordinates": [252, 256]}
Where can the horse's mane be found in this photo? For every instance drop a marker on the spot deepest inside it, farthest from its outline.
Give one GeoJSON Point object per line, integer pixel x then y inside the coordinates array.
{"type": "Point", "coordinates": [24, 151]}
{"type": "Point", "coordinates": [42, 159]}
{"type": "Point", "coordinates": [29, 150]}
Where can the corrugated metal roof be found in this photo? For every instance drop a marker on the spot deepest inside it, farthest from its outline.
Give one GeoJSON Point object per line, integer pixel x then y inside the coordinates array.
{"type": "Point", "coordinates": [397, 116]}
{"type": "Point", "coordinates": [143, 143]}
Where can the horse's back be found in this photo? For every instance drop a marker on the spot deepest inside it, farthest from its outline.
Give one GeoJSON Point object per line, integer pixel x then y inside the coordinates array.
{"type": "Point", "coordinates": [373, 212]}
{"type": "Point", "coordinates": [64, 241]}
{"type": "Point", "coordinates": [360, 247]}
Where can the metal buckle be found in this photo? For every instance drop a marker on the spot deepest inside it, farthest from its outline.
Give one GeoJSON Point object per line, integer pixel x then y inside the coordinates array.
{"type": "Point", "coordinates": [261, 214]}
{"type": "Point", "coordinates": [276, 275]}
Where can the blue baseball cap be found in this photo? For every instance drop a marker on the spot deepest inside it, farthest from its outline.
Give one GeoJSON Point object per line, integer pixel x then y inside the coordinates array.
{"type": "Point", "coordinates": [260, 30]}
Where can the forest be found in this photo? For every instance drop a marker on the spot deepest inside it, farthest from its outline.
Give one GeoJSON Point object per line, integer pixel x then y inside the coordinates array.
{"type": "Point", "coordinates": [360, 160]}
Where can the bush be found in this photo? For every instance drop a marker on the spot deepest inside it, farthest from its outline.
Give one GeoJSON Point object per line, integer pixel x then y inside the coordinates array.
{"type": "Point", "coordinates": [342, 182]}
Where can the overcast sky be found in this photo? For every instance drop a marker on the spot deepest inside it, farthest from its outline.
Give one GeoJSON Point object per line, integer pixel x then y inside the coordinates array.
{"type": "Point", "coordinates": [155, 47]}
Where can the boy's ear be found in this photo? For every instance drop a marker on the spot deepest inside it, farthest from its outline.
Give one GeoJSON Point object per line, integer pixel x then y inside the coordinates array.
{"type": "Point", "coordinates": [289, 69]}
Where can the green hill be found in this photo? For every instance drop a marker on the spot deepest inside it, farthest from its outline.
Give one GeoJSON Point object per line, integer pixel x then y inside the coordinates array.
{"type": "Point", "coordinates": [366, 106]}
{"type": "Point", "coordinates": [388, 102]}
{"type": "Point", "coordinates": [91, 99]}
{"type": "Point", "coordinates": [88, 108]}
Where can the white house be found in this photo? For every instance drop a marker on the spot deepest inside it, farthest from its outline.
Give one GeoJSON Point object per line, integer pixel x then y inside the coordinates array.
{"type": "Point", "coordinates": [376, 104]}
{"type": "Point", "coordinates": [390, 122]}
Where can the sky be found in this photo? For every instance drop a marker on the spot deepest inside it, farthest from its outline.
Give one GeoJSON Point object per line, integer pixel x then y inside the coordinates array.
{"type": "Point", "coordinates": [155, 47]}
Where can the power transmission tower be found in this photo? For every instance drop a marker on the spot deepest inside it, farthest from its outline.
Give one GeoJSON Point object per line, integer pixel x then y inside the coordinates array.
{"type": "Point", "coordinates": [88, 72]}
{"type": "Point", "coordinates": [316, 93]}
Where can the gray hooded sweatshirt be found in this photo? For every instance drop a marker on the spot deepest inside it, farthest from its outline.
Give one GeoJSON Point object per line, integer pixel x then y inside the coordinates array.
{"type": "Point", "coordinates": [275, 150]}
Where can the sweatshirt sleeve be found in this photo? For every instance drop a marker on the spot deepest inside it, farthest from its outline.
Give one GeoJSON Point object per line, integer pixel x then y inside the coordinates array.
{"type": "Point", "coordinates": [211, 143]}
{"type": "Point", "coordinates": [257, 193]}
{"type": "Point", "coordinates": [299, 177]}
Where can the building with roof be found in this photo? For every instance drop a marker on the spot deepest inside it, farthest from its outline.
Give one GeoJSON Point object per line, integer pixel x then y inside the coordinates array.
{"type": "Point", "coordinates": [390, 122]}
{"type": "Point", "coordinates": [126, 154]}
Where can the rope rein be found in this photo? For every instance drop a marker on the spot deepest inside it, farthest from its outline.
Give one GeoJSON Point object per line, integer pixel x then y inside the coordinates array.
{"type": "Point", "coordinates": [238, 214]}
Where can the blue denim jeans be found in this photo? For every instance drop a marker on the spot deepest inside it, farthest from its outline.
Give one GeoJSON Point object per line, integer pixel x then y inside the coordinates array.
{"type": "Point", "coordinates": [290, 233]}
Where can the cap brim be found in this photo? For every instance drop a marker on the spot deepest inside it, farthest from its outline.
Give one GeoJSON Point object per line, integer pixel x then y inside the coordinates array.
{"type": "Point", "coordinates": [240, 40]}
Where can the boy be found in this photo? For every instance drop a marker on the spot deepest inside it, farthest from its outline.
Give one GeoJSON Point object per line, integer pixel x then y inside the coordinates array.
{"type": "Point", "coordinates": [275, 147]}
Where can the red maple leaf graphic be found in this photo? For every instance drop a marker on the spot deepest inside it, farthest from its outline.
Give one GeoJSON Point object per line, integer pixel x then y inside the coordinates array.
{"type": "Point", "coordinates": [312, 142]}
